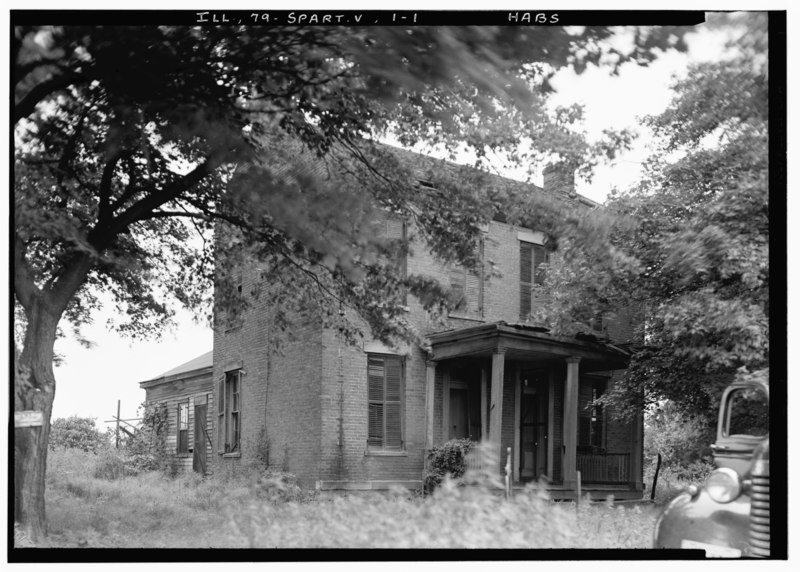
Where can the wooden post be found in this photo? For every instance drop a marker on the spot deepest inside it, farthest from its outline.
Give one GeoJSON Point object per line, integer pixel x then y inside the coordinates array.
{"type": "Point", "coordinates": [571, 422]}
{"type": "Point", "coordinates": [508, 474]}
{"type": "Point", "coordinates": [430, 380]}
{"type": "Point", "coordinates": [117, 431]}
{"type": "Point", "coordinates": [655, 478]}
{"type": "Point", "coordinates": [578, 479]}
{"type": "Point", "coordinates": [484, 405]}
{"type": "Point", "coordinates": [496, 405]}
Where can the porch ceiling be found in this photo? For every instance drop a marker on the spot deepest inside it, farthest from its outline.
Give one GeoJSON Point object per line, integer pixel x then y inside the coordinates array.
{"type": "Point", "coordinates": [524, 343]}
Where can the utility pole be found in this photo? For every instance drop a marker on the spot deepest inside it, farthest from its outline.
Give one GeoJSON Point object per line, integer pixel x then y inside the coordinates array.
{"type": "Point", "coordinates": [117, 432]}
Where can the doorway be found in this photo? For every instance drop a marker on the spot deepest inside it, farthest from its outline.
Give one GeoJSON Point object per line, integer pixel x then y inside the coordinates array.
{"type": "Point", "coordinates": [199, 461]}
{"type": "Point", "coordinates": [534, 400]}
{"type": "Point", "coordinates": [465, 404]}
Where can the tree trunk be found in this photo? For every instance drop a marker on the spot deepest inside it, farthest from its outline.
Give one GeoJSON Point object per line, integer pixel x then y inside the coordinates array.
{"type": "Point", "coordinates": [34, 390]}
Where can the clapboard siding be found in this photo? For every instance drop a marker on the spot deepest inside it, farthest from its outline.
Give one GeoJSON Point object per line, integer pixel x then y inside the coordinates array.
{"type": "Point", "coordinates": [191, 388]}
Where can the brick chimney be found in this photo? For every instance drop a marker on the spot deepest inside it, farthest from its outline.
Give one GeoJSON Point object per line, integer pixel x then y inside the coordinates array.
{"type": "Point", "coordinates": [559, 179]}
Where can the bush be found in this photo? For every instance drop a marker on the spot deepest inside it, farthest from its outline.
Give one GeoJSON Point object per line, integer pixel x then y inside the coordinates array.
{"type": "Point", "coordinates": [76, 433]}
{"type": "Point", "coordinates": [113, 465]}
{"type": "Point", "coordinates": [681, 440]}
{"type": "Point", "coordinates": [447, 459]}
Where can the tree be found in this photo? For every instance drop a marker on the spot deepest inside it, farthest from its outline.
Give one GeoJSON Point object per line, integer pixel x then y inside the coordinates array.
{"type": "Point", "coordinates": [132, 142]}
{"type": "Point", "coordinates": [688, 245]}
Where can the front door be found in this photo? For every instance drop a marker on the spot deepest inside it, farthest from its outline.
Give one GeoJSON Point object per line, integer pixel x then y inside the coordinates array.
{"type": "Point", "coordinates": [533, 427]}
{"type": "Point", "coordinates": [465, 404]}
{"type": "Point", "coordinates": [200, 439]}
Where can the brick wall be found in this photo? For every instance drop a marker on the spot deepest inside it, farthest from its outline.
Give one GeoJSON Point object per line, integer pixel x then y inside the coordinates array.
{"type": "Point", "coordinates": [280, 397]}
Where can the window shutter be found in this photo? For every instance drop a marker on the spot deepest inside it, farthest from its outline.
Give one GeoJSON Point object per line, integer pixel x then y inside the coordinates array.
{"type": "Point", "coordinates": [221, 395]}
{"type": "Point", "coordinates": [538, 258]}
{"type": "Point", "coordinates": [375, 395]}
{"type": "Point", "coordinates": [385, 395]}
{"type": "Point", "coordinates": [473, 293]}
{"type": "Point", "coordinates": [393, 412]}
{"type": "Point", "coordinates": [458, 287]}
{"type": "Point", "coordinates": [525, 279]}
{"type": "Point", "coordinates": [221, 415]}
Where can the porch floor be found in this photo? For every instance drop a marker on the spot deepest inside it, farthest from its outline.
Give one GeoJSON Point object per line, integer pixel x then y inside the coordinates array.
{"type": "Point", "coordinates": [598, 492]}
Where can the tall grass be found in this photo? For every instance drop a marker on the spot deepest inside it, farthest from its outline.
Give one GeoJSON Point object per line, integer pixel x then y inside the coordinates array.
{"type": "Point", "coordinates": [151, 510]}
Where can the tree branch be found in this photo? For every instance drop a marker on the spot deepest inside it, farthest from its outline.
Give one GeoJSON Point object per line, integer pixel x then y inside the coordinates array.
{"type": "Point", "coordinates": [102, 235]}
{"type": "Point", "coordinates": [27, 104]}
{"type": "Point", "coordinates": [103, 209]}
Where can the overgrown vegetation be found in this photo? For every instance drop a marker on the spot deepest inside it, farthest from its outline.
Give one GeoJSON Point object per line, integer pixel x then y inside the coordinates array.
{"type": "Point", "coordinates": [260, 510]}
{"type": "Point", "coordinates": [449, 458]}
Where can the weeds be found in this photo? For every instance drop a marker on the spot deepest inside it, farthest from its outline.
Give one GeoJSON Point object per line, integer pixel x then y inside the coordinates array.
{"type": "Point", "coordinates": [267, 509]}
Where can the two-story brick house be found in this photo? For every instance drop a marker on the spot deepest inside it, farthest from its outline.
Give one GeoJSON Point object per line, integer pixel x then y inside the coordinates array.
{"type": "Point", "coordinates": [358, 418]}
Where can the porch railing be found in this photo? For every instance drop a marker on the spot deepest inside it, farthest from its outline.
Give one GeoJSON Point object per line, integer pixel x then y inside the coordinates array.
{"type": "Point", "coordinates": [606, 468]}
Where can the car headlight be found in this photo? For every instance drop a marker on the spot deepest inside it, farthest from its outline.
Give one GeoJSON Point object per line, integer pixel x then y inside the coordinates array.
{"type": "Point", "coordinates": [724, 485]}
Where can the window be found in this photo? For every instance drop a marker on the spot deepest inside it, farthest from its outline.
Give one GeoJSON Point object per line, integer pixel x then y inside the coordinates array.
{"type": "Point", "coordinates": [466, 287]}
{"type": "Point", "coordinates": [385, 396]}
{"type": "Point", "coordinates": [590, 417]}
{"type": "Point", "coordinates": [531, 274]}
{"type": "Point", "coordinates": [229, 422]}
{"type": "Point", "coordinates": [183, 427]}
{"type": "Point", "coordinates": [393, 229]}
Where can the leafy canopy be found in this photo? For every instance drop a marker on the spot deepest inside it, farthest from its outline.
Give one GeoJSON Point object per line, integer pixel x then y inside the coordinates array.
{"type": "Point", "coordinates": [131, 142]}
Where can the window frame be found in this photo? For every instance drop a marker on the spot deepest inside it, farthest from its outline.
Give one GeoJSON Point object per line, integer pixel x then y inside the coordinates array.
{"type": "Point", "coordinates": [458, 277]}
{"type": "Point", "coordinates": [384, 446]}
{"type": "Point", "coordinates": [528, 283]}
{"type": "Point", "coordinates": [183, 406]}
{"type": "Point", "coordinates": [229, 414]}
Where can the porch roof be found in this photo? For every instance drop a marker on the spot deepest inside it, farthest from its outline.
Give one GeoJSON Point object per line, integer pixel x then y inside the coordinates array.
{"type": "Point", "coordinates": [525, 343]}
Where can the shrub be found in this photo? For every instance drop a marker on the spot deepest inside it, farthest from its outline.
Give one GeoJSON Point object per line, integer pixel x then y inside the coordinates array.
{"type": "Point", "coordinates": [680, 439]}
{"type": "Point", "coordinates": [146, 450]}
{"type": "Point", "coordinates": [447, 459]}
{"type": "Point", "coordinates": [112, 465]}
{"type": "Point", "coordinates": [76, 433]}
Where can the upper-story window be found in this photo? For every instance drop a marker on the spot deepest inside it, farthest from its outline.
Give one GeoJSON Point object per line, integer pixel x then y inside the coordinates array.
{"type": "Point", "coordinates": [466, 287]}
{"type": "Point", "coordinates": [393, 228]}
{"type": "Point", "coordinates": [531, 274]}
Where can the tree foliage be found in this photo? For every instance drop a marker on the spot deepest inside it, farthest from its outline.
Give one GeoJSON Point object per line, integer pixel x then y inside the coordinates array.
{"type": "Point", "coordinates": [77, 433]}
{"type": "Point", "coordinates": [688, 246]}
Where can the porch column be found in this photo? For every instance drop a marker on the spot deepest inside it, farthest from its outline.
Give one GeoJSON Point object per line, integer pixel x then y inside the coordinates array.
{"type": "Point", "coordinates": [484, 404]}
{"type": "Point", "coordinates": [571, 423]}
{"type": "Point", "coordinates": [496, 405]}
{"type": "Point", "coordinates": [637, 452]}
{"type": "Point", "coordinates": [430, 381]}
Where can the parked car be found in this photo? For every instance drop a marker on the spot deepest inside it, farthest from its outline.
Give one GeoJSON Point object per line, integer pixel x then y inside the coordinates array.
{"type": "Point", "coordinates": [729, 516]}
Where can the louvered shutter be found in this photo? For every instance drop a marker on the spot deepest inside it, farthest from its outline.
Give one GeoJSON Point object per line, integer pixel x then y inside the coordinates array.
{"type": "Point", "coordinates": [458, 288]}
{"type": "Point", "coordinates": [221, 415]}
{"type": "Point", "coordinates": [525, 279]}
{"type": "Point", "coordinates": [385, 397]}
{"type": "Point", "coordinates": [393, 407]}
{"type": "Point", "coordinates": [538, 259]}
{"type": "Point", "coordinates": [375, 395]}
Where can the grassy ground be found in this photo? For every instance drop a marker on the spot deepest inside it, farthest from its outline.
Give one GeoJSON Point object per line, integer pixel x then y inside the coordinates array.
{"type": "Point", "coordinates": [151, 510]}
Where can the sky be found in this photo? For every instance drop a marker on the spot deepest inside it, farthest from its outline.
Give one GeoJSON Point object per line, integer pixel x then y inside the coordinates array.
{"type": "Point", "coordinates": [91, 381]}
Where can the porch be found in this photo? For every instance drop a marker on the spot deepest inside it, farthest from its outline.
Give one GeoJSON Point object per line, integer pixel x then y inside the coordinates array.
{"type": "Point", "coordinates": [521, 389]}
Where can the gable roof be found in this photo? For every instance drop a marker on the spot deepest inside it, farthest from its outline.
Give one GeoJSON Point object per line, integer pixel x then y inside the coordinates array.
{"type": "Point", "coordinates": [201, 362]}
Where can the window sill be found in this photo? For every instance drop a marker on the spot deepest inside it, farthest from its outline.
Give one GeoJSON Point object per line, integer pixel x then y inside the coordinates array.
{"type": "Point", "coordinates": [184, 454]}
{"type": "Point", "coordinates": [231, 455]}
{"type": "Point", "coordinates": [384, 453]}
